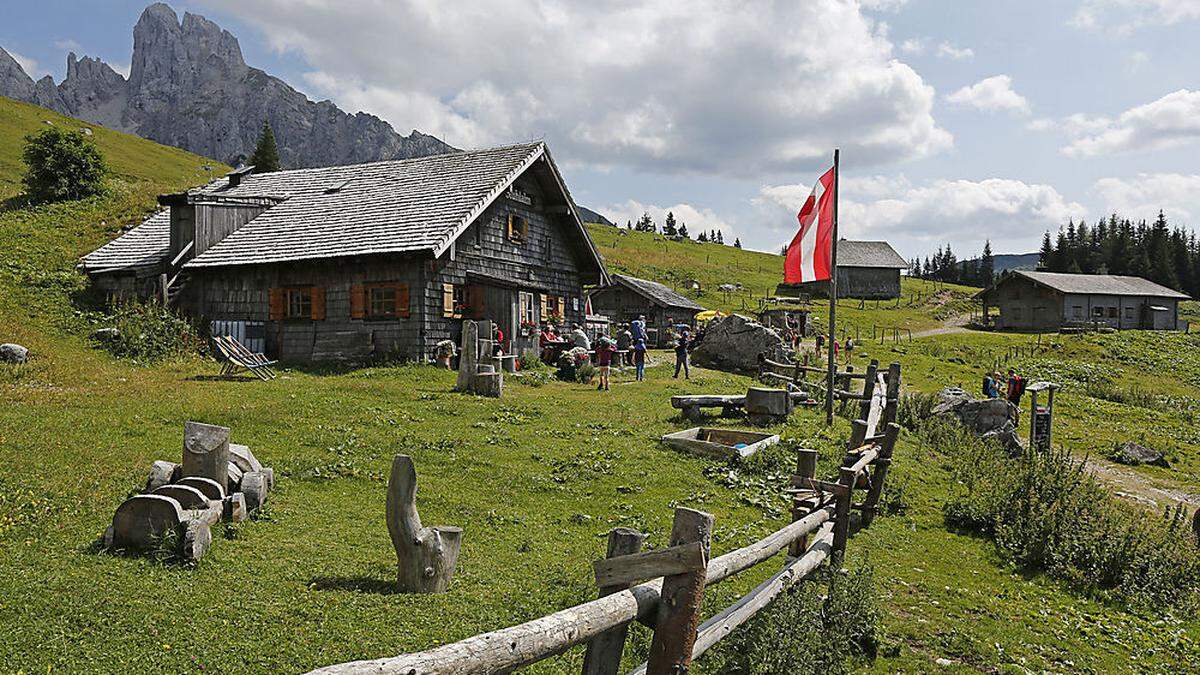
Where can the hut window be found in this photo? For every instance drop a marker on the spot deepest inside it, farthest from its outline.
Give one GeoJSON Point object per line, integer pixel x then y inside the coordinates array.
{"type": "Point", "coordinates": [1098, 312]}
{"type": "Point", "coordinates": [528, 319]}
{"type": "Point", "coordinates": [518, 228]}
{"type": "Point", "coordinates": [1077, 311]}
{"type": "Point", "coordinates": [385, 300]}
{"type": "Point", "coordinates": [1112, 312]}
{"type": "Point", "coordinates": [454, 300]}
{"type": "Point", "coordinates": [1128, 312]}
{"type": "Point", "coordinates": [299, 303]}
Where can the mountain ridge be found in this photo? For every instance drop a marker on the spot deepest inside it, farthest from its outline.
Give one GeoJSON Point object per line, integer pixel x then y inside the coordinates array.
{"type": "Point", "coordinates": [190, 87]}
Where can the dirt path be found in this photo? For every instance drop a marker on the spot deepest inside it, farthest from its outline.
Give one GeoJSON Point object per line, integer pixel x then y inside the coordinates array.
{"type": "Point", "coordinates": [1131, 485]}
{"type": "Point", "coordinates": [955, 324]}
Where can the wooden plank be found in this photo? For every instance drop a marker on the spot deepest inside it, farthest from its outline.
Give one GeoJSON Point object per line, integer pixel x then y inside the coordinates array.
{"type": "Point", "coordinates": [627, 569]}
{"type": "Point", "coordinates": [817, 485]}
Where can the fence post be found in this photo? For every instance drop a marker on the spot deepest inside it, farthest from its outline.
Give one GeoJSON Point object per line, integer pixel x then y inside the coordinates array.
{"type": "Point", "coordinates": [893, 394]}
{"type": "Point", "coordinates": [868, 389]}
{"type": "Point", "coordinates": [879, 473]}
{"type": "Point", "coordinates": [806, 467]}
{"type": "Point", "coordinates": [679, 604]}
{"type": "Point", "coordinates": [603, 656]}
{"type": "Point", "coordinates": [841, 523]}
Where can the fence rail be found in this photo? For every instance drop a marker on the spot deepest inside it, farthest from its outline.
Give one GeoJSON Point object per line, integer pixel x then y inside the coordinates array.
{"type": "Point", "coordinates": [822, 513]}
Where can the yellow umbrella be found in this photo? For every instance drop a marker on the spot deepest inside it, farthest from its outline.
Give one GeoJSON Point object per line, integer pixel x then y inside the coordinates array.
{"type": "Point", "coordinates": [709, 315]}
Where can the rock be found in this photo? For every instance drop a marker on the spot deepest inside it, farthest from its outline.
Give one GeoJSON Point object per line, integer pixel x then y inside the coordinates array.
{"type": "Point", "coordinates": [233, 509]}
{"type": "Point", "coordinates": [235, 474]}
{"type": "Point", "coordinates": [162, 473]}
{"type": "Point", "coordinates": [990, 418]}
{"type": "Point", "coordinates": [245, 460]}
{"type": "Point", "coordinates": [767, 406]}
{"type": "Point", "coordinates": [254, 487]}
{"type": "Point", "coordinates": [197, 537]}
{"type": "Point", "coordinates": [211, 489]}
{"type": "Point", "coordinates": [735, 343]}
{"type": "Point", "coordinates": [105, 334]}
{"type": "Point", "coordinates": [269, 473]}
{"type": "Point", "coordinates": [189, 498]}
{"type": "Point", "coordinates": [179, 68]}
{"type": "Point", "coordinates": [142, 521]}
{"type": "Point", "coordinates": [13, 353]}
{"type": "Point", "coordinates": [944, 662]}
{"type": "Point", "coordinates": [1134, 454]}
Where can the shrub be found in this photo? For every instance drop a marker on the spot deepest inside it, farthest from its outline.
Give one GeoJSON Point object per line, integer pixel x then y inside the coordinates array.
{"type": "Point", "coordinates": [150, 331]}
{"type": "Point", "coordinates": [914, 408]}
{"type": "Point", "coordinates": [1047, 513]}
{"type": "Point", "coordinates": [805, 631]}
{"type": "Point", "coordinates": [62, 165]}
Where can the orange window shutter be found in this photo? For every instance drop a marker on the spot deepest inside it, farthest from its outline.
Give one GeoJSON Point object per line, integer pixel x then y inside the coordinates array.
{"type": "Point", "coordinates": [358, 301]}
{"type": "Point", "coordinates": [545, 306]}
{"type": "Point", "coordinates": [510, 226]}
{"type": "Point", "coordinates": [448, 299]}
{"type": "Point", "coordinates": [318, 303]}
{"type": "Point", "coordinates": [276, 304]}
{"type": "Point", "coordinates": [402, 300]}
{"type": "Point", "coordinates": [562, 306]}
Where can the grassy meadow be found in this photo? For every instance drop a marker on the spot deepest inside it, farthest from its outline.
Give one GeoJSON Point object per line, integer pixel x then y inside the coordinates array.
{"type": "Point", "coordinates": [536, 479]}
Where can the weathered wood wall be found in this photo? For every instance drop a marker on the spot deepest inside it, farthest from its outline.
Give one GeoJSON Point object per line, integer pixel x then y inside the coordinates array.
{"type": "Point", "coordinates": [870, 283]}
{"type": "Point", "coordinates": [622, 305]}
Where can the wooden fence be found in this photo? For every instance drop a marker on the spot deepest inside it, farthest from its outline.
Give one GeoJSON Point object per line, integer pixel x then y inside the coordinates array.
{"type": "Point", "coordinates": [663, 589]}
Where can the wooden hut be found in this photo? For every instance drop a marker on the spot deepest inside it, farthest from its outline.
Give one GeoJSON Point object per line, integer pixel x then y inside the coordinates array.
{"type": "Point", "coordinates": [369, 260]}
{"type": "Point", "coordinates": [1051, 300]}
{"type": "Point", "coordinates": [628, 297]}
{"type": "Point", "coordinates": [866, 269]}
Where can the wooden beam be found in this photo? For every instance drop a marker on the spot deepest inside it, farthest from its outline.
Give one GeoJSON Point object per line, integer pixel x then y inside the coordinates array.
{"type": "Point", "coordinates": [627, 569]}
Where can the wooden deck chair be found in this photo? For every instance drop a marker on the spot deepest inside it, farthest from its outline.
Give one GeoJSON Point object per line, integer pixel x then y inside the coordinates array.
{"type": "Point", "coordinates": [236, 358]}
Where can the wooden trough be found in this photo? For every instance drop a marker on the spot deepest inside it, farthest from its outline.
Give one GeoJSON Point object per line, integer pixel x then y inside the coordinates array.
{"type": "Point", "coordinates": [720, 443]}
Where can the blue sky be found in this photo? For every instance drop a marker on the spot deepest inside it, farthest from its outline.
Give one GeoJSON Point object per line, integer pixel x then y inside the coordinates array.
{"type": "Point", "coordinates": [959, 120]}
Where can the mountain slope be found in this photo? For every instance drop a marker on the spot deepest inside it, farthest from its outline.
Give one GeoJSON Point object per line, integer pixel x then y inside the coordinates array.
{"type": "Point", "coordinates": [189, 87]}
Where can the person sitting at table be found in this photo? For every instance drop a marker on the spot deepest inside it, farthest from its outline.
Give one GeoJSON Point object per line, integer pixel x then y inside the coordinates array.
{"type": "Point", "coordinates": [546, 342]}
{"type": "Point", "coordinates": [580, 338]}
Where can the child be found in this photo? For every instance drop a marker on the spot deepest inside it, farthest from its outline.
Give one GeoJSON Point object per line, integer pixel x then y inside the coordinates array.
{"type": "Point", "coordinates": [681, 355]}
{"type": "Point", "coordinates": [639, 358]}
{"type": "Point", "coordinates": [605, 349]}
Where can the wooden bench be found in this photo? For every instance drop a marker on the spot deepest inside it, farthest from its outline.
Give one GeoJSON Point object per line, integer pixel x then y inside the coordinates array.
{"type": "Point", "coordinates": [730, 405]}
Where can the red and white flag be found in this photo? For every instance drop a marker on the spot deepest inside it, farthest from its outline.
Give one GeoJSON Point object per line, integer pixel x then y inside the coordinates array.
{"type": "Point", "coordinates": [808, 256]}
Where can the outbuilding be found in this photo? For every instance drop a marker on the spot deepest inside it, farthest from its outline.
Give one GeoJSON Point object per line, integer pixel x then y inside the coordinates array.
{"type": "Point", "coordinates": [865, 270]}
{"type": "Point", "coordinates": [384, 259]}
{"type": "Point", "coordinates": [628, 297]}
{"type": "Point", "coordinates": [1053, 300]}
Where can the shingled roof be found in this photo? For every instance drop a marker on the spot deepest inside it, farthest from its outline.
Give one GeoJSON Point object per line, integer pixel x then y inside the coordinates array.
{"type": "Point", "coordinates": [409, 205]}
{"type": "Point", "coordinates": [1099, 284]}
{"type": "Point", "coordinates": [656, 292]}
{"type": "Point", "coordinates": [868, 254]}
{"type": "Point", "coordinates": [146, 245]}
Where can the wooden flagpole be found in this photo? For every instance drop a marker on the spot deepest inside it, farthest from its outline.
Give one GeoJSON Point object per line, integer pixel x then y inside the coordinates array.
{"type": "Point", "coordinates": [832, 365]}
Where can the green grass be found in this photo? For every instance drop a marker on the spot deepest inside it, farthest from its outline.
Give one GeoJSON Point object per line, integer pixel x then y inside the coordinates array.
{"type": "Point", "coordinates": [536, 479]}
{"type": "Point", "coordinates": [923, 304]}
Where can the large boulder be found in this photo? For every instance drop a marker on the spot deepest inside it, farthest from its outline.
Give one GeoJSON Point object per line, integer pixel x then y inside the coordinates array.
{"type": "Point", "coordinates": [1135, 454]}
{"type": "Point", "coordinates": [990, 418]}
{"type": "Point", "coordinates": [735, 343]}
{"type": "Point", "coordinates": [13, 353]}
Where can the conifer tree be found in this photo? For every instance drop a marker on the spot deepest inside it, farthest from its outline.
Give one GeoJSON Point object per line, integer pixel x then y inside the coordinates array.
{"type": "Point", "coordinates": [265, 158]}
{"type": "Point", "coordinates": [737, 242]}
{"type": "Point", "coordinates": [669, 228]}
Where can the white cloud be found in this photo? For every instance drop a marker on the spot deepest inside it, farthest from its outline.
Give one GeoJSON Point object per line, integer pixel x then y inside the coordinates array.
{"type": "Point", "coordinates": [991, 94]}
{"type": "Point", "coordinates": [1041, 124]}
{"type": "Point", "coordinates": [1144, 195]}
{"type": "Point", "coordinates": [1123, 16]}
{"type": "Point", "coordinates": [671, 86]}
{"type": "Point", "coordinates": [883, 5]}
{"type": "Point", "coordinates": [69, 45]}
{"type": "Point", "coordinates": [1171, 121]}
{"type": "Point", "coordinates": [950, 51]}
{"type": "Point", "coordinates": [1135, 61]}
{"type": "Point", "coordinates": [913, 46]}
{"type": "Point", "coordinates": [918, 218]}
{"type": "Point", "coordinates": [31, 67]}
{"type": "Point", "coordinates": [697, 219]}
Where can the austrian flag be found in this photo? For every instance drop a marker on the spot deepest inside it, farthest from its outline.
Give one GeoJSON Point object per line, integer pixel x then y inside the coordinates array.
{"type": "Point", "coordinates": [808, 256]}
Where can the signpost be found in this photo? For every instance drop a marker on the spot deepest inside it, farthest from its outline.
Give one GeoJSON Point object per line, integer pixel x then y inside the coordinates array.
{"type": "Point", "coordinates": [1041, 417]}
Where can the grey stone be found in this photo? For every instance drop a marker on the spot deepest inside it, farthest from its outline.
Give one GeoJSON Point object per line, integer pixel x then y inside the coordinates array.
{"type": "Point", "coordinates": [190, 87]}
{"type": "Point", "coordinates": [233, 509]}
{"type": "Point", "coordinates": [735, 343]}
{"type": "Point", "coordinates": [254, 486]}
{"type": "Point", "coordinates": [197, 537]}
{"type": "Point", "coordinates": [162, 473]}
{"type": "Point", "coordinates": [1135, 454]}
{"type": "Point", "coordinates": [13, 353]}
{"type": "Point", "coordinates": [142, 521]}
{"type": "Point", "coordinates": [993, 418]}
{"type": "Point", "coordinates": [105, 334]}
{"type": "Point", "coordinates": [187, 496]}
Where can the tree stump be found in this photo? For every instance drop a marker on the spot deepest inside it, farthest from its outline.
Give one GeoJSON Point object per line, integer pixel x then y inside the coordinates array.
{"type": "Point", "coordinates": [196, 540]}
{"type": "Point", "coordinates": [425, 556]}
{"type": "Point", "coordinates": [765, 406]}
{"type": "Point", "coordinates": [206, 451]}
{"type": "Point", "coordinates": [142, 521]}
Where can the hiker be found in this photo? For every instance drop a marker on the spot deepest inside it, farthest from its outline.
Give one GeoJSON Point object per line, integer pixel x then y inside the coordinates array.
{"type": "Point", "coordinates": [580, 338]}
{"type": "Point", "coordinates": [682, 343]}
{"type": "Point", "coordinates": [605, 349]}
{"type": "Point", "coordinates": [849, 349]}
{"type": "Point", "coordinates": [1015, 389]}
{"type": "Point", "coordinates": [991, 385]}
{"type": "Point", "coordinates": [639, 358]}
{"type": "Point", "coordinates": [820, 344]}
{"type": "Point", "coordinates": [638, 328]}
{"type": "Point", "coordinates": [624, 342]}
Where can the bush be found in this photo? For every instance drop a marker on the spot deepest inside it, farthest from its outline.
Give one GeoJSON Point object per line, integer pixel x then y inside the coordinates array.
{"type": "Point", "coordinates": [805, 631]}
{"type": "Point", "coordinates": [149, 332]}
{"type": "Point", "coordinates": [62, 165]}
{"type": "Point", "coordinates": [1047, 513]}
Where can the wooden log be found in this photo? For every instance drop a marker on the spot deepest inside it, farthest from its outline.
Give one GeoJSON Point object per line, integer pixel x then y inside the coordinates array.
{"type": "Point", "coordinates": [707, 401]}
{"type": "Point", "coordinates": [634, 567]}
{"type": "Point", "coordinates": [841, 525]}
{"type": "Point", "coordinates": [233, 508]}
{"type": "Point", "coordinates": [243, 458]}
{"type": "Point", "coordinates": [197, 538]}
{"type": "Point", "coordinates": [869, 381]}
{"type": "Point", "coordinates": [806, 467]}
{"type": "Point", "coordinates": [254, 487]}
{"type": "Point", "coordinates": [425, 556]}
{"type": "Point", "coordinates": [768, 402]}
{"type": "Point", "coordinates": [468, 358]}
{"type": "Point", "coordinates": [187, 496]}
{"type": "Point", "coordinates": [603, 655]}
{"type": "Point", "coordinates": [211, 489]}
{"type": "Point", "coordinates": [893, 394]}
{"type": "Point", "coordinates": [206, 451]}
{"type": "Point", "coordinates": [141, 522]}
{"type": "Point", "coordinates": [722, 624]}
{"type": "Point", "coordinates": [488, 384]}
{"type": "Point", "coordinates": [879, 475]}
{"type": "Point", "coordinates": [162, 473]}
{"type": "Point", "coordinates": [681, 595]}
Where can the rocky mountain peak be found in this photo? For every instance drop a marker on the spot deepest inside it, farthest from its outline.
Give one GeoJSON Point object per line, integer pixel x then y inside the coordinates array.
{"type": "Point", "coordinates": [189, 86]}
